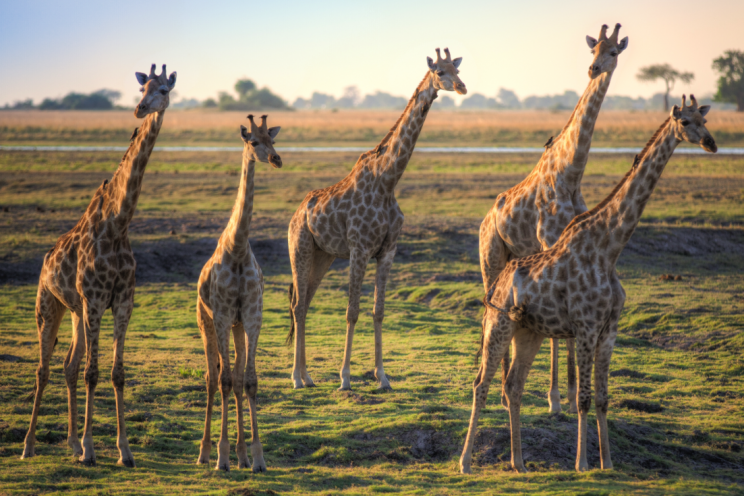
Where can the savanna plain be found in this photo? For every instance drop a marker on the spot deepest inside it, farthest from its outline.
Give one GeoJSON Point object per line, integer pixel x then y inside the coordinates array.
{"type": "Point", "coordinates": [677, 374]}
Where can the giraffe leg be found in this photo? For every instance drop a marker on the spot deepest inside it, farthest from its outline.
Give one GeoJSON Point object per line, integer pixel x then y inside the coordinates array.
{"type": "Point", "coordinates": [209, 338]}
{"type": "Point", "coordinates": [300, 257]}
{"type": "Point", "coordinates": [49, 313]}
{"type": "Point", "coordinates": [122, 307]}
{"type": "Point", "coordinates": [92, 313]}
{"type": "Point", "coordinates": [554, 395]}
{"type": "Point", "coordinates": [223, 325]}
{"type": "Point", "coordinates": [585, 354]}
{"type": "Point", "coordinates": [252, 322]}
{"type": "Point", "coordinates": [384, 264]}
{"type": "Point", "coordinates": [526, 346]}
{"type": "Point", "coordinates": [571, 375]}
{"type": "Point", "coordinates": [497, 334]}
{"type": "Point", "coordinates": [72, 371]}
{"type": "Point", "coordinates": [238, 384]}
{"type": "Point", "coordinates": [601, 373]}
{"type": "Point", "coordinates": [320, 264]}
{"type": "Point", "coordinates": [505, 363]}
{"type": "Point", "coordinates": [357, 266]}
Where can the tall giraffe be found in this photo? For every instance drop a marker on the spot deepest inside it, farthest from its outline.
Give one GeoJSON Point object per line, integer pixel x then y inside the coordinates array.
{"type": "Point", "coordinates": [530, 216]}
{"type": "Point", "coordinates": [91, 269]}
{"type": "Point", "coordinates": [358, 218]}
{"type": "Point", "coordinates": [230, 295]}
{"type": "Point", "coordinates": [572, 291]}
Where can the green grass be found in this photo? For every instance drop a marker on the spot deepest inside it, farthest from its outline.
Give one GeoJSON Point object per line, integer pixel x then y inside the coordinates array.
{"type": "Point", "coordinates": [680, 345]}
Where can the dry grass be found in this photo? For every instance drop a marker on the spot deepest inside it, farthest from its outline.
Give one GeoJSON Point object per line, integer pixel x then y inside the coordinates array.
{"type": "Point", "coordinates": [377, 120]}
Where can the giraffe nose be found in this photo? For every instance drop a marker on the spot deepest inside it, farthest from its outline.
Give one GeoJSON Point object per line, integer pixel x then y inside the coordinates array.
{"type": "Point", "coordinates": [275, 160]}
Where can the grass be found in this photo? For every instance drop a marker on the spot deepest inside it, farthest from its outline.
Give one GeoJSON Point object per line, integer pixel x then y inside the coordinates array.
{"type": "Point", "coordinates": [677, 393]}
{"type": "Point", "coordinates": [347, 127]}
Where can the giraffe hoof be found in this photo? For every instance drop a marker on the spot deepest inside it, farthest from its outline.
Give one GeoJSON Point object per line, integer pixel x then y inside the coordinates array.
{"type": "Point", "coordinates": [27, 454]}
{"type": "Point", "coordinates": [345, 388]}
{"type": "Point", "coordinates": [88, 462]}
{"type": "Point", "coordinates": [310, 385]}
{"type": "Point", "coordinates": [128, 462]}
{"type": "Point", "coordinates": [385, 388]}
{"type": "Point", "coordinates": [225, 467]}
{"type": "Point", "coordinates": [572, 408]}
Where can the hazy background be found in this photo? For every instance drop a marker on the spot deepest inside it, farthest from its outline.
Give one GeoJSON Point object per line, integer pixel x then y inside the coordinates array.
{"type": "Point", "coordinates": [48, 49]}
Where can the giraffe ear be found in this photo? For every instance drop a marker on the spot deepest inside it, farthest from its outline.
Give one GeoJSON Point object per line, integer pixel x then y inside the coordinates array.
{"type": "Point", "coordinates": [457, 62]}
{"type": "Point", "coordinates": [172, 80]}
{"type": "Point", "coordinates": [432, 65]}
{"type": "Point", "coordinates": [622, 45]}
{"type": "Point", "coordinates": [274, 131]}
{"type": "Point", "coordinates": [245, 134]}
{"type": "Point", "coordinates": [675, 113]}
{"type": "Point", "coordinates": [141, 77]}
{"type": "Point", "coordinates": [704, 109]}
{"type": "Point", "coordinates": [591, 42]}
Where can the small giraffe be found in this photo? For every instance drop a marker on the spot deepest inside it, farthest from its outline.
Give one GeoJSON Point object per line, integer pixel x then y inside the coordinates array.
{"type": "Point", "coordinates": [230, 295]}
{"type": "Point", "coordinates": [530, 217]}
{"type": "Point", "coordinates": [572, 291]}
{"type": "Point", "coordinates": [91, 269]}
{"type": "Point", "coordinates": [358, 218]}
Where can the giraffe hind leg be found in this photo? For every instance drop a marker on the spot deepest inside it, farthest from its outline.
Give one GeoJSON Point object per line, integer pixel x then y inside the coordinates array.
{"type": "Point", "coordinates": [49, 313]}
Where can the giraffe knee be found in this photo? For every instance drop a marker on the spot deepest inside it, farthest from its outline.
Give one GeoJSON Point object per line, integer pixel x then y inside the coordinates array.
{"type": "Point", "coordinates": [585, 402]}
{"type": "Point", "coordinates": [117, 378]}
{"type": "Point", "coordinates": [42, 375]}
{"type": "Point", "coordinates": [251, 387]}
{"type": "Point", "coordinates": [211, 382]}
{"type": "Point", "coordinates": [601, 403]}
{"type": "Point", "coordinates": [226, 382]}
{"type": "Point", "coordinates": [91, 377]}
{"type": "Point", "coordinates": [352, 314]}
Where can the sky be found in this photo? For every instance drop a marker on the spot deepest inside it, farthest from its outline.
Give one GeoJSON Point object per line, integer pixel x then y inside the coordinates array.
{"type": "Point", "coordinates": [49, 48]}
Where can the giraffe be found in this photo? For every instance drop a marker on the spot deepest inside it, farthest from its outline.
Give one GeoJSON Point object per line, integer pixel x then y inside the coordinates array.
{"type": "Point", "coordinates": [530, 216]}
{"type": "Point", "coordinates": [230, 295]}
{"type": "Point", "coordinates": [358, 218]}
{"type": "Point", "coordinates": [91, 269]}
{"type": "Point", "coordinates": [572, 290]}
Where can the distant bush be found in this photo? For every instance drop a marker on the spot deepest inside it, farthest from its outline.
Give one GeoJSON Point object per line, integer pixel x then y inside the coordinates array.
{"type": "Point", "coordinates": [98, 100]}
{"type": "Point", "coordinates": [249, 98]}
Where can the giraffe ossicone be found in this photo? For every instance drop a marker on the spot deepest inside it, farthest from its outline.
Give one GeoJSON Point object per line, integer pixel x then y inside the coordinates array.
{"type": "Point", "coordinates": [358, 218]}
{"type": "Point", "coordinates": [91, 269]}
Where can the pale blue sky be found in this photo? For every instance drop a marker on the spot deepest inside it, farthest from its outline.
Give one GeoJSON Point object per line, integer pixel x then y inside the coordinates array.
{"type": "Point", "coordinates": [48, 48]}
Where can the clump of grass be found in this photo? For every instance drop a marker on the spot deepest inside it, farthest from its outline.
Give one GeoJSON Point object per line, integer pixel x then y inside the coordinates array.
{"type": "Point", "coordinates": [187, 372]}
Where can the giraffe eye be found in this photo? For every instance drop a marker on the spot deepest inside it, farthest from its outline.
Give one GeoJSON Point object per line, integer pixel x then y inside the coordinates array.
{"type": "Point", "coordinates": [613, 54]}
{"type": "Point", "coordinates": [163, 91]}
{"type": "Point", "coordinates": [440, 73]}
{"type": "Point", "coordinates": [254, 143]}
{"type": "Point", "coordinates": [685, 122]}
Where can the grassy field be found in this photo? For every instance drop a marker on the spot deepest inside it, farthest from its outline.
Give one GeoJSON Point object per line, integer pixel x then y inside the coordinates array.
{"type": "Point", "coordinates": [347, 127]}
{"type": "Point", "coordinates": [677, 385]}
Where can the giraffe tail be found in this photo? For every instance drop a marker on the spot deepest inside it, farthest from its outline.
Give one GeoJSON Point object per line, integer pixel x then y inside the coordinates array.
{"type": "Point", "coordinates": [290, 335]}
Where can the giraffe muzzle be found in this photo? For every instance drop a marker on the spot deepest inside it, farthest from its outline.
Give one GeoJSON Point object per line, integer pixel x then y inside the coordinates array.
{"type": "Point", "coordinates": [709, 144]}
{"type": "Point", "coordinates": [276, 161]}
{"type": "Point", "coordinates": [461, 89]}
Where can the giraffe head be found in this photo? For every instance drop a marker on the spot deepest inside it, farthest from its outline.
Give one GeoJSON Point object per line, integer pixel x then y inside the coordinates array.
{"type": "Point", "coordinates": [689, 124]}
{"type": "Point", "coordinates": [444, 73]}
{"type": "Point", "coordinates": [259, 142]}
{"type": "Point", "coordinates": [155, 92]}
{"type": "Point", "coordinates": [605, 51]}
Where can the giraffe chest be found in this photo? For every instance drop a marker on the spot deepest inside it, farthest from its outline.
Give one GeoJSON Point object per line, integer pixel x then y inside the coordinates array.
{"type": "Point", "coordinates": [232, 288]}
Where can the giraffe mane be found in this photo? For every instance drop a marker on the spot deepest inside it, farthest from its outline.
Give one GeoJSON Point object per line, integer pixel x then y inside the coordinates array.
{"type": "Point", "coordinates": [639, 158]}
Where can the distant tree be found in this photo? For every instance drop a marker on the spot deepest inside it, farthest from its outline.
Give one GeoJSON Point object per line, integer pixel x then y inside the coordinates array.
{"type": "Point", "coordinates": [508, 99]}
{"type": "Point", "coordinates": [731, 82]}
{"type": "Point", "coordinates": [668, 74]}
{"type": "Point", "coordinates": [243, 87]}
{"type": "Point", "coordinates": [383, 100]}
{"type": "Point", "coordinates": [113, 95]}
{"type": "Point", "coordinates": [444, 102]}
{"type": "Point", "coordinates": [350, 98]}
{"type": "Point", "coordinates": [209, 103]}
{"type": "Point", "coordinates": [23, 104]}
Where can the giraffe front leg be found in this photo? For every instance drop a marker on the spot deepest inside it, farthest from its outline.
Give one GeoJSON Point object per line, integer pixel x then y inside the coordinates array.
{"type": "Point", "coordinates": [122, 310]}
{"type": "Point", "coordinates": [554, 395]}
{"type": "Point", "coordinates": [384, 264]}
{"type": "Point", "coordinates": [251, 388]}
{"type": "Point", "coordinates": [357, 266]}
{"type": "Point", "coordinates": [603, 356]}
{"type": "Point", "coordinates": [92, 313]}
{"type": "Point", "coordinates": [239, 376]}
{"type": "Point", "coordinates": [222, 326]}
{"type": "Point", "coordinates": [571, 375]}
{"type": "Point", "coordinates": [585, 354]}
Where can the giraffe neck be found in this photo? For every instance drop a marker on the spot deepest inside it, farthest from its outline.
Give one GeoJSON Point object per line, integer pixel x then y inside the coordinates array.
{"type": "Point", "coordinates": [235, 237]}
{"type": "Point", "coordinates": [396, 148]}
{"type": "Point", "coordinates": [617, 216]}
{"type": "Point", "coordinates": [124, 189]}
{"type": "Point", "coordinates": [575, 140]}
